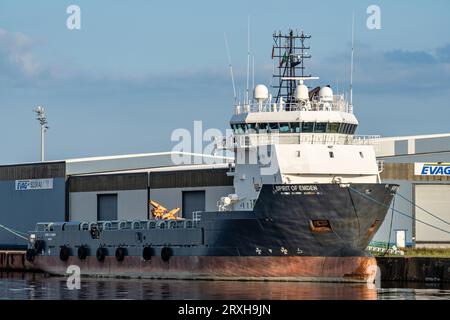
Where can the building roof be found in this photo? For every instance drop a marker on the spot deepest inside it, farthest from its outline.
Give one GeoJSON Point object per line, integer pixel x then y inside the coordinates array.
{"type": "Point", "coordinates": [408, 145]}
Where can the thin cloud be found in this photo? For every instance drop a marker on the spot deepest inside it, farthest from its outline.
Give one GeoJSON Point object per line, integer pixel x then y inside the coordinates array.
{"type": "Point", "coordinates": [16, 56]}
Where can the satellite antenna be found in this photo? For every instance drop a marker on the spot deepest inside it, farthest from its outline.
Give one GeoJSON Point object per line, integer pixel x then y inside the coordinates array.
{"type": "Point", "coordinates": [231, 68]}
{"type": "Point", "coordinates": [40, 113]}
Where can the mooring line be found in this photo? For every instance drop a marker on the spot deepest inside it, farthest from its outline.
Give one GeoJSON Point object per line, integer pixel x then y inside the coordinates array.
{"type": "Point", "coordinates": [14, 232]}
{"type": "Point", "coordinates": [399, 212]}
{"type": "Point", "coordinates": [446, 222]}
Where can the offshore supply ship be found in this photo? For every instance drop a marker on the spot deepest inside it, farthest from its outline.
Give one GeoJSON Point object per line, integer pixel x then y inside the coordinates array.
{"type": "Point", "coordinates": [303, 206]}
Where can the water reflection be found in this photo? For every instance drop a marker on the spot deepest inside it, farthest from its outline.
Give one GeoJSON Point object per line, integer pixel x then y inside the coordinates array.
{"type": "Point", "coordinates": [41, 286]}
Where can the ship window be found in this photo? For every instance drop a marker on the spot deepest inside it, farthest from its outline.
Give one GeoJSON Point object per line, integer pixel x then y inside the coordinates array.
{"type": "Point", "coordinates": [346, 129]}
{"type": "Point", "coordinates": [295, 127]}
{"type": "Point", "coordinates": [361, 154]}
{"type": "Point", "coordinates": [331, 154]}
{"type": "Point", "coordinates": [273, 127]}
{"type": "Point", "coordinates": [321, 127]}
{"type": "Point", "coordinates": [251, 127]}
{"type": "Point", "coordinates": [308, 127]}
{"type": "Point", "coordinates": [350, 129]}
{"type": "Point", "coordinates": [354, 128]}
{"type": "Point", "coordinates": [284, 128]}
{"type": "Point", "coordinates": [240, 128]}
{"type": "Point", "coordinates": [333, 128]}
{"type": "Point", "coordinates": [320, 226]}
{"type": "Point", "coordinates": [262, 128]}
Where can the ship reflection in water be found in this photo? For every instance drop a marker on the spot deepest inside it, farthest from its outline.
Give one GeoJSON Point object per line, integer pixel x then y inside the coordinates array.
{"type": "Point", "coordinates": [40, 286]}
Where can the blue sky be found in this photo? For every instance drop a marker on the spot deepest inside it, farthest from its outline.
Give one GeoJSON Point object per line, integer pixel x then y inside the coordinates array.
{"type": "Point", "coordinates": [137, 70]}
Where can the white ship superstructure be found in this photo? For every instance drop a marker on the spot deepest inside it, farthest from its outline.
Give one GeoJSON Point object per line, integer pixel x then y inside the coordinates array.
{"type": "Point", "coordinates": [305, 136]}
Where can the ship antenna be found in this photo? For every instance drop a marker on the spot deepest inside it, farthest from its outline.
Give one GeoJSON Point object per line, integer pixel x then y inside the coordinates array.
{"type": "Point", "coordinates": [231, 68]}
{"type": "Point", "coordinates": [253, 71]}
{"type": "Point", "coordinates": [351, 60]}
{"type": "Point", "coordinates": [248, 59]}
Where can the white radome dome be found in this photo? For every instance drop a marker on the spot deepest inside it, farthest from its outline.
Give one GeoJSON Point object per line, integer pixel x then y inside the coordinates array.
{"type": "Point", "coordinates": [261, 92]}
{"type": "Point", "coordinates": [301, 93]}
{"type": "Point", "coordinates": [326, 94]}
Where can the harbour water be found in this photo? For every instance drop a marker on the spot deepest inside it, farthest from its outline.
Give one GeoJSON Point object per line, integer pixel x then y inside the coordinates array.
{"type": "Point", "coordinates": [29, 286]}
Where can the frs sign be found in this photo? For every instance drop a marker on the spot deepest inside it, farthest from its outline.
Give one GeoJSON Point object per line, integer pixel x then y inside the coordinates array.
{"type": "Point", "coordinates": [432, 169]}
{"type": "Point", "coordinates": [34, 184]}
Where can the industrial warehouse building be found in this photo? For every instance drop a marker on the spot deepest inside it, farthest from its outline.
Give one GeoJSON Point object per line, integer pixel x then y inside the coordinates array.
{"type": "Point", "coordinates": [119, 188]}
{"type": "Point", "coordinates": [428, 190]}
{"type": "Point", "coordinates": [107, 188]}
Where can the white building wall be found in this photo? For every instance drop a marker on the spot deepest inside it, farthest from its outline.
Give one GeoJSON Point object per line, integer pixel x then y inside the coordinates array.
{"type": "Point", "coordinates": [399, 222]}
{"type": "Point", "coordinates": [131, 205]}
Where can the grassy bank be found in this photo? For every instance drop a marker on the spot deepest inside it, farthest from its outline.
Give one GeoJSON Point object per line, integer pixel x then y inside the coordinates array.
{"type": "Point", "coordinates": [426, 252]}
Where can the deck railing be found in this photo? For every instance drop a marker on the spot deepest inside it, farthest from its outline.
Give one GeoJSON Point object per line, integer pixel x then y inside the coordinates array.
{"type": "Point", "coordinates": [254, 140]}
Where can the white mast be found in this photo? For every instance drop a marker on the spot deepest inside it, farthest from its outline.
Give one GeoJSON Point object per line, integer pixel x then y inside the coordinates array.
{"type": "Point", "coordinates": [253, 71]}
{"type": "Point", "coordinates": [248, 60]}
{"type": "Point", "coordinates": [351, 61]}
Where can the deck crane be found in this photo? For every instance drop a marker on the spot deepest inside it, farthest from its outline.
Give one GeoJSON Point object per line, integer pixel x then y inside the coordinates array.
{"type": "Point", "coordinates": [161, 212]}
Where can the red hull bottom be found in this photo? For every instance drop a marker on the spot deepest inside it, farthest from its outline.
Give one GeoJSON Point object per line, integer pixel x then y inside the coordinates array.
{"type": "Point", "coordinates": [321, 269]}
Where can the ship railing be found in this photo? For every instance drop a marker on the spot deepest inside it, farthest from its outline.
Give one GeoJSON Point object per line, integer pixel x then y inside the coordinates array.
{"type": "Point", "coordinates": [380, 165]}
{"type": "Point", "coordinates": [254, 140]}
{"type": "Point", "coordinates": [338, 104]}
{"type": "Point", "coordinates": [116, 225]}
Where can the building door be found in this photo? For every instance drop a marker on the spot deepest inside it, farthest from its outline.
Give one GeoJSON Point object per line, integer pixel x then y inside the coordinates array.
{"type": "Point", "coordinates": [193, 201]}
{"type": "Point", "coordinates": [106, 207]}
{"type": "Point", "coordinates": [400, 241]}
{"type": "Point", "coordinates": [435, 199]}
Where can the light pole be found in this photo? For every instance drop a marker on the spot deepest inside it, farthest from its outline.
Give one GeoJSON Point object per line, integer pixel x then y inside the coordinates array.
{"type": "Point", "coordinates": [40, 112]}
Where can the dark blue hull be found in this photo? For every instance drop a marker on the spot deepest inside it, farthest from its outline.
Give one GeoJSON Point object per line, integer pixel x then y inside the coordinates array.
{"type": "Point", "coordinates": [287, 220]}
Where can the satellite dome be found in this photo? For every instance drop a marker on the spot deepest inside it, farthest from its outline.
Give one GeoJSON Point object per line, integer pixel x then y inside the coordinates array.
{"type": "Point", "coordinates": [326, 94]}
{"type": "Point", "coordinates": [301, 93]}
{"type": "Point", "coordinates": [261, 92]}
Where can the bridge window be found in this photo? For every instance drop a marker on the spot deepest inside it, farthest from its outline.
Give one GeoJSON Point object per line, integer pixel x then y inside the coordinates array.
{"type": "Point", "coordinates": [262, 128]}
{"type": "Point", "coordinates": [321, 127]}
{"type": "Point", "coordinates": [333, 127]}
{"type": "Point", "coordinates": [295, 127]}
{"type": "Point", "coordinates": [251, 127]}
{"type": "Point", "coordinates": [273, 127]}
{"type": "Point", "coordinates": [238, 128]}
{"type": "Point", "coordinates": [308, 127]}
{"type": "Point", "coordinates": [284, 128]}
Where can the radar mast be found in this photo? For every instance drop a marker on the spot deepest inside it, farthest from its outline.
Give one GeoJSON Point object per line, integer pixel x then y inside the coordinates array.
{"type": "Point", "coordinates": [290, 51]}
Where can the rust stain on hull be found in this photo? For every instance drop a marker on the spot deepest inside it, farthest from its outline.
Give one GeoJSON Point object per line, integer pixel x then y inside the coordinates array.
{"type": "Point", "coordinates": [323, 269]}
